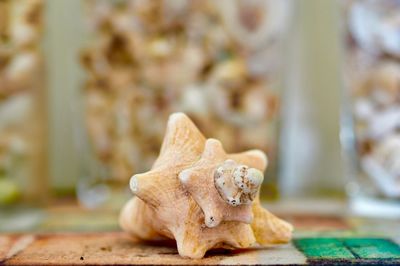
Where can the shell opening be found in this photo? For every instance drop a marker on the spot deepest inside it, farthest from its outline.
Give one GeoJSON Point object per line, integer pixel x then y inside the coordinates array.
{"type": "Point", "coordinates": [236, 183]}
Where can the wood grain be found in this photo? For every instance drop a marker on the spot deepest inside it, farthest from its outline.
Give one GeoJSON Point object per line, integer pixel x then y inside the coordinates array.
{"type": "Point", "coordinates": [117, 248]}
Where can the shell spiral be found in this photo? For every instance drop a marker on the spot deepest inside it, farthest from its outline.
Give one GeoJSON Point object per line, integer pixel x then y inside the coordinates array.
{"type": "Point", "coordinates": [201, 196]}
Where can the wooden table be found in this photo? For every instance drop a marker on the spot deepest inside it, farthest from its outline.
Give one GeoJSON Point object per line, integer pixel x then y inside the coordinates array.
{"type": "Point", "coordinates": [93, 238]}
{"type": "Point", "coordinates": [118, 249]}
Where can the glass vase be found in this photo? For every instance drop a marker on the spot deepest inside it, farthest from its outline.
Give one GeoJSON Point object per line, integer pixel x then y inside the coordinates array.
{"type": "Point", "coordinates": [220, 62]}
{"type": "Point", "coordinates": [371, 114]}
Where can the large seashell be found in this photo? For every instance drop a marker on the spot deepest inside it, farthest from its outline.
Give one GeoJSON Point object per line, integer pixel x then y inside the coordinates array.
{"type": "Point", "coordinates": [177, 197]}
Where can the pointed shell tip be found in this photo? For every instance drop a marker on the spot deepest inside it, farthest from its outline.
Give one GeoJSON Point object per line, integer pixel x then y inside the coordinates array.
{"type": "Point", "coordinates": [173, 118]}
{"type": "Point", "coordinates": [184, 176]}
{"type": "Point", "coordinates": [133, 184]}
{"type": "Point", "coordinates": [262, 155]}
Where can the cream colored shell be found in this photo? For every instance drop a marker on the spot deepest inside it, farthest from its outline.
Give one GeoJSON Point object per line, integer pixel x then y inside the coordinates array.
{"type": "Point", "coordinates": [177, 198]}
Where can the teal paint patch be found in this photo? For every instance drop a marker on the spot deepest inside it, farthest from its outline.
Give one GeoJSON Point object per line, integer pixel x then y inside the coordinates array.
{"type": "Point", "coordinates": [323, 248]}
{"type": "Point", "coordinates": [368, 251]}
{"type": "Point", "coordinates": [373, 248]}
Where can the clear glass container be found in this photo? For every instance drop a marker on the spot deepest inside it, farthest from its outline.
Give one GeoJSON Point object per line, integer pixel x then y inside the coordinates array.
{"type": "Point", "coordinates": [371, 114]}
{"type": "Point", "coordinates": [218, 61]}
{"type": "Point", "coordinates": [22, 107]}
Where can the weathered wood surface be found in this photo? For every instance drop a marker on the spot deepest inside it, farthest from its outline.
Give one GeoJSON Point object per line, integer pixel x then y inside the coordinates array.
{"type": "Point", "coordinates": [94, 239]}
{"type": "Point", "coordinates": [117, 248]}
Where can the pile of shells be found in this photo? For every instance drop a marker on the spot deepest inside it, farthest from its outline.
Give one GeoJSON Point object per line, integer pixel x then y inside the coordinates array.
{"type": "Point", "coordinates": [20, 85]}
{"type": "Point", "coordinates": [201, 196]}
{"type": "Point", "coordinates": [217, 61]}
{"type": "Point", "coordinates": [373, 44]}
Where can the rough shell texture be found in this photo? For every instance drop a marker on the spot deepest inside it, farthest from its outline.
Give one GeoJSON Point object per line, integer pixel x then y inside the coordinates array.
{"type": "Point", "coordinates": [237, 183]}
{"type": "Point", "coordinates": [166, 208]}
{"type": "Point", "coordinates": [199, 182]}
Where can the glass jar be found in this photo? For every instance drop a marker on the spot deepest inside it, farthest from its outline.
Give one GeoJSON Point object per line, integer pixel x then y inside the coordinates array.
{"type": "Point", "coordinates": [22, 108]}
{"type": "Point", "coordinates": [218, 61]}
{"type": "Point", "coordinates": [371, 121]}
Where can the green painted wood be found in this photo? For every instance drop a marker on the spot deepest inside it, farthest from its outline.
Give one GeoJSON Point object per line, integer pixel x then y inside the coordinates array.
{"type": "Point", "coordinates": [373, 248]}
{"type": "Point", "coordinates": [323, 248]}
{"type": "Point", "coordinates": [368, 251]}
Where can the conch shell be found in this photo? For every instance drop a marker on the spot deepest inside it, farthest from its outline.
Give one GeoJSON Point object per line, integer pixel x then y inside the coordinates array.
{"type": "Point", "coordinates": [201, 196]}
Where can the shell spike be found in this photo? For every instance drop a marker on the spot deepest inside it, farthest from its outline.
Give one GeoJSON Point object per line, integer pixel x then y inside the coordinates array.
{"type": "Point", "coordinates": [212, 219]}
{"type": "Point", "coordinates": [144, 187]}
{"type": "Point", "coordinates": [213, 149]}
{"type": "Point", "coordinates": [181, 134]}
{"type": "Point", "coordinates": [253, 158]}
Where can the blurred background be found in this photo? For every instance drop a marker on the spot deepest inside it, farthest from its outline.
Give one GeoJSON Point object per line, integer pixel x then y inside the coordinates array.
{"type": "Point", "coordinates": [86, 88]}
